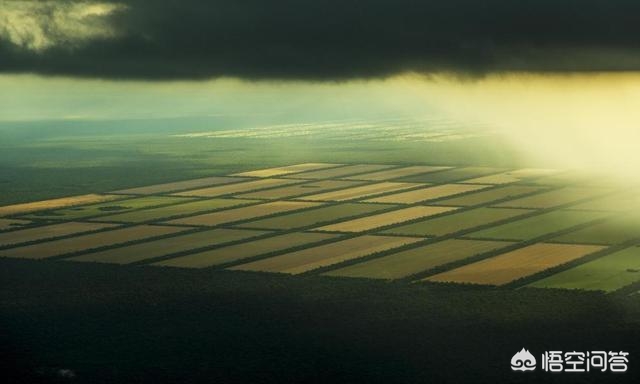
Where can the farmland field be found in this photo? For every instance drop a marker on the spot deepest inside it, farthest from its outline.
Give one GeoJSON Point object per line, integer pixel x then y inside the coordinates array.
{"type": "Point", "coordinates": [286, 170]}
{"type": "Point", "coordinates": [416, 260]}
{"type": "Point", "coordinates": [338, 172]}
{"type": "Point", "coordinates": [316, 216]}
{"type": "Point", "coordinates": [55, 203]}
{"type": "Point", "coordinates": [12, 223]}
{"type": "Point", "coordinates": [538, 225]}
{"type": "Point", "coordinates": [181, 209]}
{"type": "Point", "coordinates": [166, 246]}
{"type": "Point", "coordinates": [360, 192]}
{"type": "Point", "coordinates": [456, 222]}
{"type": "Point", "coordinates": [384, 219]}
{"type": "Point", "coordinates": [86, 242]}
{"type": "Point", "coordinates": [396, 173]}
{"type": "Point", "coordinates": [49, 231]}
{"type": "Point", "coordinates": [554, 198]}
{"type": "Point", "coordinates": [425, 194]}
{"type": "Point", "coordinates": [511, 176]}
{"type": "Point", "coordinates": [613, 231]}
{"type": "Point", "coordinates": [181, 185]}
{"type": "Point", "coordinates": [324, 255]}
{"type": "Point", "coordinates": [606, 273]}
{"type": "Point", "coordinates": [513, 265]}
{"type": "Point", "coordinates": [236, 187]}
{"type": "Point", "coordinates": [243, 213]}
{"type": "Point", "coordinates": [298, 189]}
{"type": "Point", "coordinates": [124, 205]}
{"type": "Point", "coordinates": [482, 197]}
{"type": "Point", "coordinates": [245, 250]}
{"type": "Point", "coordinates": [451, 175]}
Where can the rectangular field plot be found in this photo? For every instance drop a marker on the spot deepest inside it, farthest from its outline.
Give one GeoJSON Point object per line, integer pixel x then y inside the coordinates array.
{"type": "Point", "coordinates": [425, 194]}
{"type": "Point", "coordinates": [510, 266]}
{"type": "Point", "coordinates": [228, 189]}
{"type": "Point", "coordinates": [327, 254]}
{"type": "Point", "coordinates": [336, 173]}
{"type": "Point", "coordinates": [243, 213]}
{"type": "Point", "coordinates": [316, 216]}
{"type": "Point", "coordinates": [553, 198]}
{"type": "Point", "coordinates": [360, 192]}
{"type": "Point", "coordinates": [512, 176]}
{"type": "Point", "coordinates": [412, 261]}
{"type": "Point", "coordinates": [279, 171]}
{"type": "Point", "coordinates": [483, 197]}
{"type": "Point", "coordinates": [607, 273]}
{"type": "Point", "coordinates": [539, 225]}
{"type": "Point", "coordinates": [396, 173]}
{"type": "Point", "coordinates": [182, 209]}
{"type": "Point", "coordinates": [166, 246]}
{"type": "Point", "coordinates": [110, 207]}
{"type": "Point", "coordinates": [456, 222]}
{"type": "Point", "coordinates": [12, 223]}
{"type": "Point", "coordinates": [55, 203]}
{"type": "Point", "coordinates": [620, 202]}
{"type": "Point", "coordinates": [48, 232]}
{"type": "Point", "coordinates": [299, 189]}
{"type": "Point", "coordinates": [245, 250]}
{"type": "Point", "coordinates": [384, 219]}
{"type": "Point", "coordinates": [614, 231]}
{"type": "Point", "coordinates": [181, 185]}
{"type": "Point", "coordinates": [451, 175]}
{"type": "Point", "coordinates": [89, 241]}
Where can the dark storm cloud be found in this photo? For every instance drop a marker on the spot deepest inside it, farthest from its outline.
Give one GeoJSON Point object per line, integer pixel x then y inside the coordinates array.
{"type": "Point", "coordinates": [342, 39]}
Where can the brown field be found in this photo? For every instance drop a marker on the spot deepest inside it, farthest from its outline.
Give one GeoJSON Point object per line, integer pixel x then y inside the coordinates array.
{"type": "Point", "coordinates": [553, 198]}
{"type": "Point", "coordinates": [488, 196]}
{"type": "Point", "coordinates": [334, 173]}
{"type": "Point", "coordinates": [516, 264]}
{"type": "Point", "coordinates": [425, 194]}
{"type": "Point", "coordinates": [245, 250]}
{"type": "Point", "coordinates": [384, 219]}
{"type": "Point", "coordinates": [360, 192]}
{"type": "Point", "coordinates": [89, 241]}
{"type": "Point", "coordinates": [12, 223]}
{"type": "Point", "coordinates": [181, 185]}
{"type": "Point", "coordinates": [49, 231]}
{"type": "Point", "coordinates": [55, 203]}
{"type": "Point", "coordinates": [237, 187]}
{"type": "Point", "coordinates": [279, 171]}
{"type": "Point", "coordinates": [412, 261]}
{"type": "Point", "coordinates": [327, 254]}
{"type": "Point", "coordinates": [396, 173]}
{"type": "Point", "coordinates": [298, 189]}
{"type": "Point", "coordinates": [166, 246]}
{"type": "Point", "coordinates": [243, 213]}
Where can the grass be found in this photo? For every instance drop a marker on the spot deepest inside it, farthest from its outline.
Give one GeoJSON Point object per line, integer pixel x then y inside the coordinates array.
{"type": "Point", "coordinates": [456, 222]}
{"type": "Point", "coordinates": [607, 273]}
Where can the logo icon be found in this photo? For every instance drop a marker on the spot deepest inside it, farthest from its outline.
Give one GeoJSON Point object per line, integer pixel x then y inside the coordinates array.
{"type": "Point", "coordinates": [523, 361]}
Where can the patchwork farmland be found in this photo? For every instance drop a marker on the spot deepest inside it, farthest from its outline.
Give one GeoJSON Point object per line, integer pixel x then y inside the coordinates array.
{"type": "Point", "coordinates": [415, 224]}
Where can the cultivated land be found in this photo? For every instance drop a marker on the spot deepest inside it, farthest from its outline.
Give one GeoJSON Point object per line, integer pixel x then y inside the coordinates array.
{"type": "Point", "coordinates": [456, 222]}
{"type": "Point", "coordinates": [606, 273]}
{"type": "Point", "coordinates": [325, 255]}
{"type": "Point", "coordinates": [317, 216]}
{"type": "Point", "coordinates": [430, 193]}
{"type": "Point", "coordinates": [410, 262]}
{"type": "Point", "coordinates": [299, 189]}
{"type": "Point", "coordinates": [359, 192]}
{"type": "Point", "coordinates": [478, 216]}
{"type": "Point", "coordinates": [90, 241]}
{"type": "Point", "coordinates": [244, 213]}
{"type": "Point", "coordinates": [514, 265]}
{"type": "Point", "coordinates": [384, 219]}
{"type": "Point", "coordinates": [181, 209]}
{"type": "Point", "coordinates": [124, 205]}
{"type": "Point", "coordinates": [167, 246]}
{"type": "Point", "coordinates": [237, 252]}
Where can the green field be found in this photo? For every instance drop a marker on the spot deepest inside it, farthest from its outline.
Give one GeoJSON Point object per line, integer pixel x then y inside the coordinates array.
{"type": "Point", "coordinates": [614, 231]}
{"type": "Point", "coordinates": [317, 216]}
{"type": "Point", "coordinates": [176, 210]}
{"type": "Point", "coordinates": [416, 260]}
{"type": "Point", "coordinates": [450, 175]}
{"type": "Point", "coordinates": [456, 222]}
{"type": "Point", "coordinates": [483, 197]}
{"type": "Point", "coordinates": [606, 273]}
{"type": "Point", "coordinates": [124, 205]}
{"type": "Point", "coordinates": [535, 226]}
{"type": "Point", "coordinates": [554, 198]}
